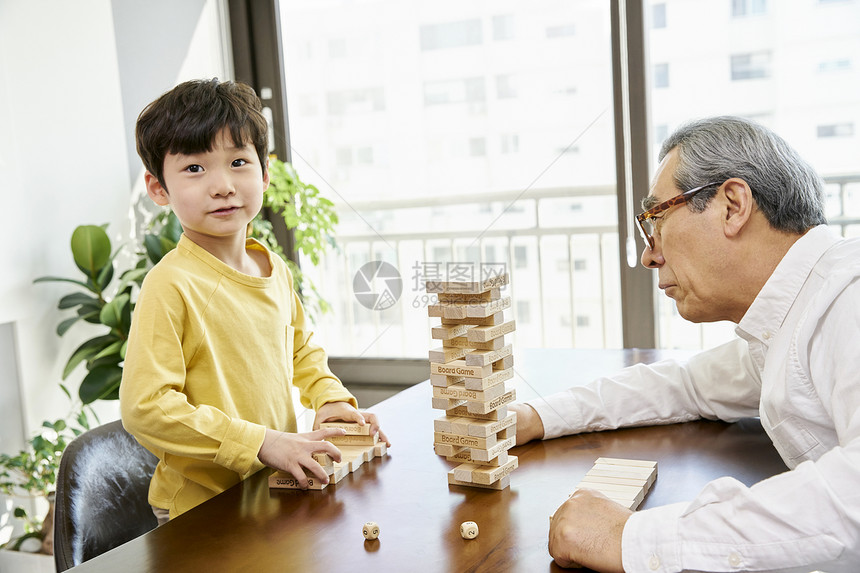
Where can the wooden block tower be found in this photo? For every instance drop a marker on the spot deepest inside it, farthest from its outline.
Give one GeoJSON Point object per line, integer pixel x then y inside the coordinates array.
{"type": "Point", "coordinates": [468, 374]}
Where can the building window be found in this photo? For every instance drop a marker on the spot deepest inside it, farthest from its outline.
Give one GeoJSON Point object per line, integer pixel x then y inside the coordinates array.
{"type": "Point", "coordinates": [845, 129]}
{"type": "Point", "coordinates": [658, 16]}
{"type": "Point", "coordinates": [509, 143]}
{"type": "Point", "coordinates": [524, 311]}
{"type": "Point", "coordinates": [580, 265]}
{"type": "Point", "coordinates": [755, 65]}
{"type": "Point", "coordinates": [355, 101]}
{"type": "Point", "coordinates": [661, 75]}
{"type": "Point", "coordinates": [562, 31]}
{"type": "Point", "coordinates": [451, 35]}
{"type": "Point", "coordinates": [503, 27]}
{"type": "Point", "coordinates": [521, 260]}
{"type": "Point", "coordinates": [836, 65]}
{"type": "Point", "coordinates": [469, 90]}
{"type": "Point", "coordinates": [742, 8]}
{"type": "Point", "coordinates": [582, 321]}
{"type": "Point", "coordinates": [477, 147]}
{"type": "Point", "coordinates": [505, 88]}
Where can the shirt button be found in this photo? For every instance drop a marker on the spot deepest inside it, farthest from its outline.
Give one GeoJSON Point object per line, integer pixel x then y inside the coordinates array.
{"type": "Point", "coordinates": [653, 563]}
{"type": "Point", "coordinates": [734, 559]}
{"type": "Point", "coordinates": [766, 335]}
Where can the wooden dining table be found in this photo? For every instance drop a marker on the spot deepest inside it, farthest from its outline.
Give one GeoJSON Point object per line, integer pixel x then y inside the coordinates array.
{"type": "Point", "coordinates": [251, 527]}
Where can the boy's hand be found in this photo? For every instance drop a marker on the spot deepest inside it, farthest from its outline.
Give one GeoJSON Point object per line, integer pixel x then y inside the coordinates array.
{"type": "Point", "coordinates": [345, 412]}
{"type": "Point", "coordinates": [293, 453]}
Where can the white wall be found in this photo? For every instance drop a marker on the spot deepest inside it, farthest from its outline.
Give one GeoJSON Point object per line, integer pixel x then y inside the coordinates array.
{"type": "Point", "coordinates": [73, 76]}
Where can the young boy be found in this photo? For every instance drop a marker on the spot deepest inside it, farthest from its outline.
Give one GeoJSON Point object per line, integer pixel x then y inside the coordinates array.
{"type": "Point", "coordinates": [219, 337]}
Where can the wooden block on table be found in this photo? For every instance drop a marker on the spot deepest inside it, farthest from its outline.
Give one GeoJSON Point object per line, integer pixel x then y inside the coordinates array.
{"type": "Point", "coordinates": [484, 357]}
{"type": "Point", "coordinates": [460, 392]}
{"type": "Point", "coordinates": [485, 475]}
{"type": "Point", "coordinates": [638, 482]}
{"type": "Point", "coordinates": [351, 428]}
{"type": "Point", "coordinates": [341, 471]}
{"type": "Point", "coordinates": [351, 440]}
{"type": "Point", "coordinates": [323, 459]}
{"type": "Point", "coordinates": [648, 474]}
{"type": "Point", "coordinates": [485, 333]}
{"type": "Point", "coordinates": [380, 449]}
{"type": "Point", "coordinates": [492, 294]}
{"type": "Point", "coordinates": [448, 450]}
{"type": "Point", "coordinates": [452, 425]}
{"type": "Point", "coordinates": [625, 481]}
{"type": "Point", "coordinates": [626, 462]}
{"type": "Point", "coordinates": [461, 411]}
{"type": "Point", "coordinates": [484, 407]}
{"type": "Point", "coordinates": [496, 378]}
{"type": "Point", "coordinates": [616, 491]}
{"type": "Point", "coordinates": [460, 368]}
{"type": "Point", "coordinates": [286, 480]}
{"type": "Point", "coordinates": [364, 452]}
{"type": "Point", "coordinates": [463, 342]}
{"type": "Point", "coordinates": [466, 287]}
{"type": "Point", "coordinates": [462, 310]}
{"type": "Point", "coordinates": [445, 354]}
{"type": "Point", "coordinates": [492, 320]}
{"type": "Point", "coordinates": [503, 483]}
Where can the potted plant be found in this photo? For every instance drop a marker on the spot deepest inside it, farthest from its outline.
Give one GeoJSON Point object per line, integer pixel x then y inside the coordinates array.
{"type": "Point", "coordinates": [31, 474]}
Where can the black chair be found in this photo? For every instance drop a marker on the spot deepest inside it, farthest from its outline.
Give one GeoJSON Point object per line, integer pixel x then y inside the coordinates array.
{"type": "Point", "coordinates": [101, 499]}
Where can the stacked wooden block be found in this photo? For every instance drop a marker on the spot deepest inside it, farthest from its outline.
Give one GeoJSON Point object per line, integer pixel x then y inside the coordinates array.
{"type": "Point", "coordinates": [356, 447]}
{"type": "Point", "coordinates": [468, 374]}
{"type": "Point", "coordinates": [624, 481]}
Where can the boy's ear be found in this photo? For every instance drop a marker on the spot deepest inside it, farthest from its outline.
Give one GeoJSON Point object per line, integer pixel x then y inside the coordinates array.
{"type": "Point", "coordinates": [266, 175]}
{"type": "Point", "coordinates": [155, 189]}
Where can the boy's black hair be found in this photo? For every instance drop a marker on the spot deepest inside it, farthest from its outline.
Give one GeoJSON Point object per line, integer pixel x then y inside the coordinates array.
{"type": "Point", "coordinates": [187, 119]}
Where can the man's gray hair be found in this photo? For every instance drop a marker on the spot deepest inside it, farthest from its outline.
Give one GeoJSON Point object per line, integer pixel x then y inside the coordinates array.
{"type": "Point", "coordinates": [785, 187]}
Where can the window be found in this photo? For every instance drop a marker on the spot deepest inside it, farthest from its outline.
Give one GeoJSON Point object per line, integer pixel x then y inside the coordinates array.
{"type": "Point", "coordinates": [661, 75]}
{"type": "Point", "coordinates": [503, 27]}
{"type": "Point", "coordinates": [741, 8]}
{"type": "Point", "coordinates": [451, 35]}
{"type": "Point", "coordinates": [836, 130]}
{"type": "Point", "coordinates": [750, 66]}
{"type": "Point", "coordinates": [658, 16]}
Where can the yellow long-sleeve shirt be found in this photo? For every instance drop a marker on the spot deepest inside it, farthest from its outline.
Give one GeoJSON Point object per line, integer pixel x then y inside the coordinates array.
{"type": "Point", "coordinates": [213, 355]}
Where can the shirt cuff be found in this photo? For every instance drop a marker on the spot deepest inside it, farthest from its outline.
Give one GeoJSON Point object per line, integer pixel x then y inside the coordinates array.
{"type": "Point", "coordinates": [240, 446]}
{"type": "Point", "coordinates": [559, 413]}
{"type": "Point", "coordinates": [650, 542]}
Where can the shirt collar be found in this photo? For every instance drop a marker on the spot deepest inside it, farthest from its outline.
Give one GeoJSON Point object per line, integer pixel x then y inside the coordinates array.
{"type": "Point", "coordinates": [769, 309]}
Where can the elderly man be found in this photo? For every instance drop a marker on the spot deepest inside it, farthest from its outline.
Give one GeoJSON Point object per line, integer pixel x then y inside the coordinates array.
{"type": "Point", "coordinates": [734, 227]}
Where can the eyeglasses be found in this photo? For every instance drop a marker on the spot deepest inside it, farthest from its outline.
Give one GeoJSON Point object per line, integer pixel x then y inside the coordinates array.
{"type": "Point", "coordinates": [647, 221]}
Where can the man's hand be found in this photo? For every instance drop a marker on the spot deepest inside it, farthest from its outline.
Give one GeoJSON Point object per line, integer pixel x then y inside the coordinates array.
{"type": "Point", "coordinates": [345, 412]}
{"type": "Point", "coordinates": [529, 424]}
{"type": "Point", "coordinates": [586, 531]}
{"type": "Point", "coordinates": [293, 453]}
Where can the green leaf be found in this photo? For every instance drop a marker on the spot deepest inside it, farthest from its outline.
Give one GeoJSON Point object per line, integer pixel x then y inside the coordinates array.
{"type": "Point", "coordinates": [152, 244]}
{"type": "Point", "coordinates": [112, 313]}
{"type": "Point", "coordinates": [87, 350]}
{"type": "Point", "coordinates": [172, 228]}
{"type": "Point", "coordinates": [91, 248]}
{"type": "Point", "coordinates": [102, 383]}
{"type": "Point", "coordinates": [131, 276]}
{"type": "Point", "coordinates": [112, 349]}
{"type": "Point", "coordinates": [76, 298]}
{"type": "Point", "coordinates": [65, 280]}
{"type": "Point", "coordinates": [66, 324]}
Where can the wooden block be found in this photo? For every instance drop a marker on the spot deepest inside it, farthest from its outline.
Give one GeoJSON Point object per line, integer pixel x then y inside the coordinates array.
{"type": "Point", "coordinates": [364, 452]}
{"type": "Point", "coordinates": [485, 333]}
{"type": "Point", "coordinates": [446, 332]}
{"type": "Point", "coordinates": [445, 404]}
{"type": "Point", "coordinates": [484, 407]}
{"type": "Point", "coordinates": [465, 441]}
{"type": "Point", "coordinates": [461, 411]}
{"type": "Point", "coordinates": [351, 428]}
{"type": "Point", "coordinates": [496, 378]}
{"type": "Point", "coordinates": [460, 368]}
{"type": "Point", "coordinates": [503, 483]}
{"type": "Point", "coordinates": [445, 354]}
{"type": "Point", "coordinates": [466, 287]}
{"type": "Point", "coordinates": [452, 425]}
{"type": "Point", "coordinates": [492, 294]}
{"type": "Point", "coordinates": [445, 381]}
{"type": "Point", "coordinates": [485, 428]}
{"type": "Point", "coordinates": [465, 456]}
{"type": "Point", "coordinates": [463, 342]}
{"type": "Point", "coordinates": [492, 320]}
{"type": "Point", "coordinates": [460, 392]}
{"type": "Point", "coordinates": [503, 364]}
{"type": "Point", "coordinates": [323, 459]}
{"type": "Point", "coordinates": [286, 480]}
{"type": "Point", "coordinates": [340, 472]}
{"type": "Point", "coordinates": [484, 357]}
{"type": "Point", "coordinates": [461, 310]}
{"type": "Point", "coordinates": [488, 454]}
{"type": "Point", "coordinates": [448, 450]}
{"type": "Point", "coordinates": [625, 481]}
{"type": "Point", "coordinates": [485, 475]}
{"type": "Point", "coordinates": [626, 462]}
{"type": "Point", "coordinates": [380, 449]}
{"type": "Point", "coordinates": [349, 440]}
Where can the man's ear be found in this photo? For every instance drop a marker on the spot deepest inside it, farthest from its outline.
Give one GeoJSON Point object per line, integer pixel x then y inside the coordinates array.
{"type": "Point", "coordinates": [155, 189]}
{"type": "Point", "coordinates": [739, 205]}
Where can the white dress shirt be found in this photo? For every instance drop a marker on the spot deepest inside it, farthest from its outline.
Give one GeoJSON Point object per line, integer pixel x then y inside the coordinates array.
{"type": "Point", "coordinates": [797, 366]}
